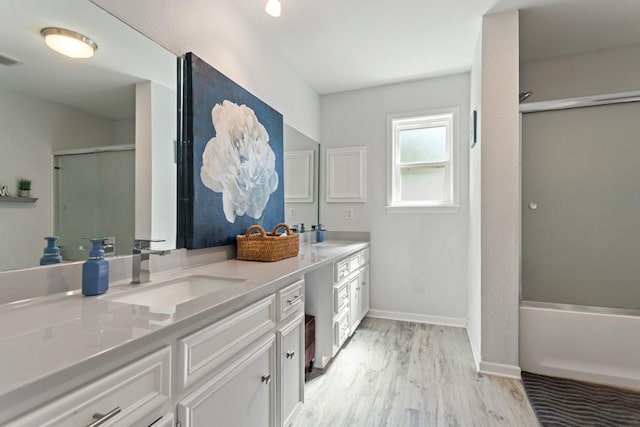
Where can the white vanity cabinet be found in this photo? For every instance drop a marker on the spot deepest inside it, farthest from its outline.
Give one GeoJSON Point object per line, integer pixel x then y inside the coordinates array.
{"type": "Point", "coordinates": [246, 369]}
{"type": "Point", "coordinates": [338, 296]}
{"type": "Point", "coordinates": [131, 395]}
{"type": "Point", "coordinates": [234, 358]}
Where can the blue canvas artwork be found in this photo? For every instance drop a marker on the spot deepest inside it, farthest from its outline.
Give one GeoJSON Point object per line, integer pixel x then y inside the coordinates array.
{"type": "Point", "coordinates": [231, 159]}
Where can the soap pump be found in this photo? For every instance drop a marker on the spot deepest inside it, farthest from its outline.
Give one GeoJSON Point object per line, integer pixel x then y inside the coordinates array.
{"type": "Point", "coordinates": [51, 252]}
{"type": "Point", "coordinates": [95, 271]}
{"type": "Point", "coordinates": [319, 233]}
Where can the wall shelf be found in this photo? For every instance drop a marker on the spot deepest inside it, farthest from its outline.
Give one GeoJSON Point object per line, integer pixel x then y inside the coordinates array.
{"type": "Point", "coordinates": [19, 199]}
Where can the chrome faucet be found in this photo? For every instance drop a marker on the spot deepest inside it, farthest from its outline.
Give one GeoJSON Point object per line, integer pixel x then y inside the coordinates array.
{"type": "Point", "coordinates": [140, 260]}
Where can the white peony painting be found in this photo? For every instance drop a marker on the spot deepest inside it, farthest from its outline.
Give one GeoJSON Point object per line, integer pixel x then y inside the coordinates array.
{"type": "Point", "coordinates": [238, 162]}
{"type": "Point", "coordinates": [230, 169]}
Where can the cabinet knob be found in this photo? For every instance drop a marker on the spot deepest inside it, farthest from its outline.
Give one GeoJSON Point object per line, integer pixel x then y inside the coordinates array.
{"type": "Point", "coordinates": [266, 378]}
{"type": "Point", "coordinates": [291, 354]}
{"type": "Point", "coordinates": [103, 418]}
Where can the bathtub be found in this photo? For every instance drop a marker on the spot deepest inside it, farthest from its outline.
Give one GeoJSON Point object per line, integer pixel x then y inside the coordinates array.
{"type": "Point", "coordinates": [584, 343]}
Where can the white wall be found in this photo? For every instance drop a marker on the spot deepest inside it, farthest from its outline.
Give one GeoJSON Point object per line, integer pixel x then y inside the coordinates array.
{"type": "Point", "coordinates": [156, 185]}
{"type": "Point", "coordinates": [600, 72]}
{"type": "Point", "coordinates": [31, 129]}
{"type": "Point", "coordinates": [230, 44]}
{"type": "Point", "coordinates": [474, 324]}
{"type": "Point", "coordinates": [419, 262]}
{"type": "Point", "coordinates": [500, 190]}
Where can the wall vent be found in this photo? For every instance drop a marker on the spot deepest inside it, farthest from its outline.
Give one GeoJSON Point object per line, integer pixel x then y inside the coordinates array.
{"type": "Point", "coordinates": [7, 60]}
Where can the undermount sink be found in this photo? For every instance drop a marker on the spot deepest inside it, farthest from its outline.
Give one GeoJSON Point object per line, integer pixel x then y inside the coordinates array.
{"type": "Point", "coordinates": [174, 292]}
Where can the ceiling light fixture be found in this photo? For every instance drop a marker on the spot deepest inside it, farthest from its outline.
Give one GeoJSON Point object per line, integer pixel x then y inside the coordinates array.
{"type": "Point", "coordinates": [69, 43]}
{"type": "Point", "coordinates": [273, 8]}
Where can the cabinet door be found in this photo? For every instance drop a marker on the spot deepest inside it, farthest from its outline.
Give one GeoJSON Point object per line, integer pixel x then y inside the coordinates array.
{"type": "Point", "coordinates": [364, 292]}
{"type": "Point", "coordinates": [240, 395]}
{"type": "Point", "coordinates": [354, 307]}
{"type": "Point", "coordinates": [291, 344]}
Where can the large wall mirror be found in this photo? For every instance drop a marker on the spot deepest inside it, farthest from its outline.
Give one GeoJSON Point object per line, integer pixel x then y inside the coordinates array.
{"type": "Point", "coordinates": [95, 136]}
{"type": "Point", "coordinates": [302, 178]}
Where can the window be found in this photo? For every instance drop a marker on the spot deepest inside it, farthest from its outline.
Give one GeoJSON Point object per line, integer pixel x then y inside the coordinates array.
{"type": "Point", "coordinates": [421, 161]}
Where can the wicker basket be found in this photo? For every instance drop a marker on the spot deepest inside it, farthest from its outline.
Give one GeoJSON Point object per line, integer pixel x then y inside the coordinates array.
{"type": "Point", "coordinates": [262, 246]}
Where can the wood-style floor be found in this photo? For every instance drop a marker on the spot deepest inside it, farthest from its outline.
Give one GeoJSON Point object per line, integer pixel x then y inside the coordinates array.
{"type": "Point", "coordinates": [407, 374]}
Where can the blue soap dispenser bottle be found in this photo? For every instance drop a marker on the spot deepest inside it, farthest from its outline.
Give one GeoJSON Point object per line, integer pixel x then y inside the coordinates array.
{"type": "Point", "coordinates": [319, 233]}
{"type": "Point", "coordinates": [51, 252]}
{"type": "Point", "coordinates": [95, 271]}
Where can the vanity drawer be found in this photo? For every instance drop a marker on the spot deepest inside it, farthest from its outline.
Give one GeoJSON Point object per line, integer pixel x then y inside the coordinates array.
{"type": "Point", "coordinates": [206, 349]}
{"type": "Point", "coordinates": [340, 298]}
{"type": "Point", "coordinates": [131, 394]}
{"type": "Point", "coordinates": [364, 256]}
{"type": "Point", "coordinates": [354, 262]}
{"type": "Point", "coordinates": [291, 300]}
{"type": "Point", "coordinates": [341, 270]}
{"type": "Point", "coordinates": [342, 329]}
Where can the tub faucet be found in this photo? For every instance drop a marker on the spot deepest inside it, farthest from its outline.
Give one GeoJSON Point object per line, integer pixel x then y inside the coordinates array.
{"type": "Point", "coordinates": [140, 260]}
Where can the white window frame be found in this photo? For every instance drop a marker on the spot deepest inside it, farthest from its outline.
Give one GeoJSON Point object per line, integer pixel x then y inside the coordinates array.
{"type": "Point", "coordinates": [397, 122]}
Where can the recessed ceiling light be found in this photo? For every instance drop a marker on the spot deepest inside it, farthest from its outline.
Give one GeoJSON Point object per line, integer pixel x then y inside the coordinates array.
{"type": "Point", "coordinates": [273, 8]}
{"type": "Point", "coordinates": [69, 43]}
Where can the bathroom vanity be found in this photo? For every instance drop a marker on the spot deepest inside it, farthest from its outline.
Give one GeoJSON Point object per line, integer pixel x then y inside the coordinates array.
{"type": "Point", "coordinates": [220, 342]}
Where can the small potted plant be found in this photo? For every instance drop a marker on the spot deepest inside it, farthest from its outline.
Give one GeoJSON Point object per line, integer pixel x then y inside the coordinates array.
{"type": "Point", "coordinates": [24, 187]}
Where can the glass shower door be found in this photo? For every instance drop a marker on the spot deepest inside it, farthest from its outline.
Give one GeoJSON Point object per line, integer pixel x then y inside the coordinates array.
{"type": "Point", "coordinates": [94, 198]}
{"type": "Point", "coordinates": [581, 206]}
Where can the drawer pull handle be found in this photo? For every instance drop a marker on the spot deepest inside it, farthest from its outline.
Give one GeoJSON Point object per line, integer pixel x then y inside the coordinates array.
{"type": "Point", "coordinates": [103, 418]}
{"type": "Point", "coordinates": [266, 378]}
{"type": "Point", "coordinates": [295, 300]}
{"type": "Point", "coordinates": [291, 354]}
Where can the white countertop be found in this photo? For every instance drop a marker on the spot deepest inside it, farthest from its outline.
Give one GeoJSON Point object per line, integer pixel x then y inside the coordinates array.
{"type": "Point", "coordinates": [47, 335]}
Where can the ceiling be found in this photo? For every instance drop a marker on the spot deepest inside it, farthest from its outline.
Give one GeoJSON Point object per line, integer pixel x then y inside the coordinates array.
{"type": "Point", "coordinates": [338, 45]}
{"type": "Point", "coordinates": [103, 85]}
{"type": "Point", "coordinates": [334, 45]}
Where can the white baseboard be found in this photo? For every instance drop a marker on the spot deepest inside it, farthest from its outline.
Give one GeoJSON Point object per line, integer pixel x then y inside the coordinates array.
{"type": "Point", "coordinates": [418, 318]}
{"type": "Point", "coordinates": [499, 370]}
{"type": "Point", "coordinates": [474, 351]}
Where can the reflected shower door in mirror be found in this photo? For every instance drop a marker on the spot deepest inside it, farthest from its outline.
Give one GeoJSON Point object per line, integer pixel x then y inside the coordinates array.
{"type": "Point", "coordinates": [84, 206]}
{"type": "Point", "coordinates": [124, 95]}
{"type": "Point", "coordinates": [301, 178]}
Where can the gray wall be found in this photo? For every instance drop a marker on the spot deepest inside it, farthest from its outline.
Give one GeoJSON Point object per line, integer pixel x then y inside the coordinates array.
{"type": "Point", "coordinates": [599, 72]}
{"type": "Point", "coordinates": [419, 262]}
